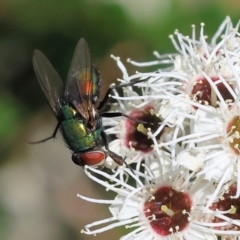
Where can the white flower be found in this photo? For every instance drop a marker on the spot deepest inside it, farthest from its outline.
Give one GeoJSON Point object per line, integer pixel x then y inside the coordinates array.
{"type": "Point", "coordinates": [172, 206]}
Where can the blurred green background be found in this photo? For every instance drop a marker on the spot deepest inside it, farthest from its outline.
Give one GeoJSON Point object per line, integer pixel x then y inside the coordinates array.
{"type": "Point", "coordinates": [39, 183]}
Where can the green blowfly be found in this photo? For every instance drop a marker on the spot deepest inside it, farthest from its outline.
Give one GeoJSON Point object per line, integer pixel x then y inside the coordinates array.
{"type": "Point", "coordinates": [76, 106]}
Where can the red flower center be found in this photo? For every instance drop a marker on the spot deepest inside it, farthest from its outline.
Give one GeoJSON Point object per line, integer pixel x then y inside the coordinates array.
{"type": "Point", "coordinates": [136, 131]}
{"type": "Point", "coordinates": [203, 92]}
{"type": "Point", "coordinates": [228, 203]}
{"type": "Point", "coordinates": [167, 211]}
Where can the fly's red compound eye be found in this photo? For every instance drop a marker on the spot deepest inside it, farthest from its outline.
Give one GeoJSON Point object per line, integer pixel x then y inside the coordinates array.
{"type": "Point", "coordinates": [92, 158]}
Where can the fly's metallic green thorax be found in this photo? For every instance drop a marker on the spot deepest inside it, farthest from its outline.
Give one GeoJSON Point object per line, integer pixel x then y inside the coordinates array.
{"type": "Point", "coordinates": [76, 133]}
{"type": "Point", "coordinates": [67, 112]}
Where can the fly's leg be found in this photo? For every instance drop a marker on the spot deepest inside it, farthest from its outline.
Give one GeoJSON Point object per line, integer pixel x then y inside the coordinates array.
{"type": "Point", "coordinates": [106, 97]}
{"type": "Point", "coordinates": [116, 158]}
{"type": "Point", "coordinates": [48, 138]}
{"type": "Point", "coordinates": [119, 114]}
{"type": "Point", "coordinates": [103, 109]}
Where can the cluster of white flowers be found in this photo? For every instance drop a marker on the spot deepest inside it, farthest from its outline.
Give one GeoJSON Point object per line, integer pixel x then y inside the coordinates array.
{"type": "Point", "coordinates": [184, 147]}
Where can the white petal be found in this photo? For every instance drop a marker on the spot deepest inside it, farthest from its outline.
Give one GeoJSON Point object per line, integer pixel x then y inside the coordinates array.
{"type": "Point", "coordinates": [126, 212]}
{"type": "Point", "coordinates": [191, 159]}
{"type": "Point", "coordinates": [217, 167]}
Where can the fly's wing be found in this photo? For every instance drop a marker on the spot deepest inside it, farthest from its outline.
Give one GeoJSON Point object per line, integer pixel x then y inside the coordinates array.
{"type": "Point", "coordinates": [49, 80]}
{"type": "Point", "coordinates": [80, 86]}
